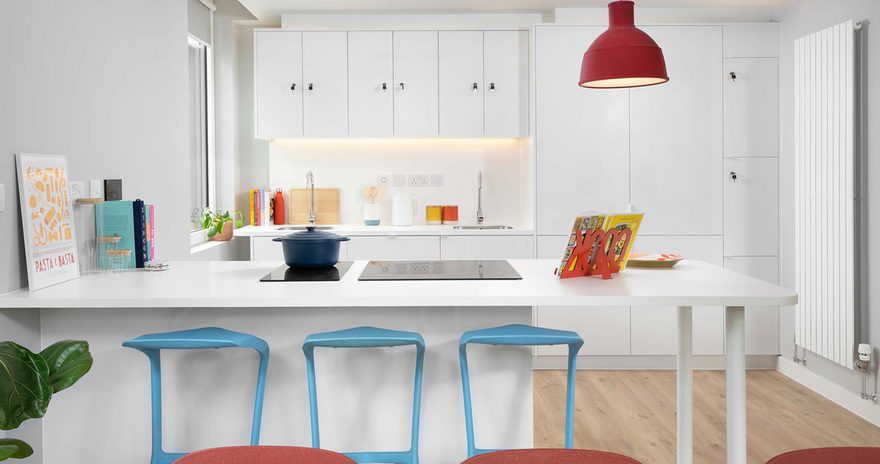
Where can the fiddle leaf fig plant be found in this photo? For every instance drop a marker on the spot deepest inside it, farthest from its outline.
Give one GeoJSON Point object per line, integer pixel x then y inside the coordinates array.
{"type": "Point", "coordinates": [213, 222]}
{"type": "Point", "coordinates": [28, 380]}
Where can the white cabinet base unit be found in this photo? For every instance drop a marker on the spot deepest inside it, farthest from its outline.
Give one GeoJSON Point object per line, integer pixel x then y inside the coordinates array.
{"type": "Point", "coordinates": [751, 207]}
{"type": "Point", "coordinates": [762, 322]}
{"type": "Point", "coordinates": [487, 247]}
{"type": "Point", "coordinates": [394, 247]}
{"type": "Point", "coordinates": [264, 249]}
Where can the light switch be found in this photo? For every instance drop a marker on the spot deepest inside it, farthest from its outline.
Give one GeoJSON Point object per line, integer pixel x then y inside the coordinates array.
{"type": "Point", "coordinates": [96, 189]}
{"type": "Point", "coordinates": [2, 197]}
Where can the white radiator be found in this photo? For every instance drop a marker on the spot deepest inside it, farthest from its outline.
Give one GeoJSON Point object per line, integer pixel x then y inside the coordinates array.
{"type": "Point", "coordinates": [825, 187]}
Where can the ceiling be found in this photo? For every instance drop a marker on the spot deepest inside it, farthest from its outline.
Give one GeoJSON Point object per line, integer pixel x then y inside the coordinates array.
{"type": "Point", "coordinates": [270, 8]}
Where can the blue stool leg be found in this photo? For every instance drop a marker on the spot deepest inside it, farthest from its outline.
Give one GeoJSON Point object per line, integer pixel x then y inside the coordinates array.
{"type": "Point", "coordinates": [569, 400]}
{"type": "Point", "coordinates": [417, 404]}
{"type": "Point", "coordinates": [156, 404]}
{"type": "Point", "coordinates": [258, 400]}
{"type": "Point", "coordinates": [313, 394]}
{"type": "Point", "coordinates": [466, 391]}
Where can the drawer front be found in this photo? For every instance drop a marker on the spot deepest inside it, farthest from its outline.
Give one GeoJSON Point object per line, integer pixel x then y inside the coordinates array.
{"type": "Point", "coordinates": [499, 247]}
{"type": "Point", "coordinates": [393, 247]}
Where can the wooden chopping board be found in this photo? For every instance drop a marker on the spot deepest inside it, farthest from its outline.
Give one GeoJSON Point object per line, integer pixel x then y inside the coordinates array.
{"type": "Point", "coordinates": [326, 206]}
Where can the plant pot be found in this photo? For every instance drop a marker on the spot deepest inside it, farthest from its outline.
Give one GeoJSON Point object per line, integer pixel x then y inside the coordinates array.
{"type": "Point", "coordinates": [226, 234]}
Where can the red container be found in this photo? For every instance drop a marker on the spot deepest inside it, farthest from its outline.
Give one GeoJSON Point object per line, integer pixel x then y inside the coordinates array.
{"type": "Point", "coordinates": [279, 207]}
{"type": "Point", "coordinates": [450, 214]}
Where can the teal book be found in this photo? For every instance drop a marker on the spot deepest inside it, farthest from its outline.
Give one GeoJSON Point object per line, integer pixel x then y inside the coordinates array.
{"type": "Point", "coordinates": [115, 219]}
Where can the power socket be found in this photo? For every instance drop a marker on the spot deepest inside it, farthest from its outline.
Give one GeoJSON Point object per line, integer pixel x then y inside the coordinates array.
{"type": "Point", "coordinates": [96, 189]}
{"type": "Point", "coordinates": [398, 180]}
{"type": "Point", "coordinates": [418, 180]}
{"type": "Point", "coordinates": [436, 180]}
{"type": "Point", "coordinates": [383, 179]}
{"type": "Point", "coordinates": [77, 190]}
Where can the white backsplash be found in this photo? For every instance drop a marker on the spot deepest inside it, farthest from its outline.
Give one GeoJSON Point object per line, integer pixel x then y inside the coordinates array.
{"type": "Point", "coordinates": [351, 164]}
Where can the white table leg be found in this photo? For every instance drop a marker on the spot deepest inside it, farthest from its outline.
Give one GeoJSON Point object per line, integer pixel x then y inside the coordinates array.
{"type": "Point", "coordinates": [736, 384]}
{"type": "Point", "coordinates": [685, 386]}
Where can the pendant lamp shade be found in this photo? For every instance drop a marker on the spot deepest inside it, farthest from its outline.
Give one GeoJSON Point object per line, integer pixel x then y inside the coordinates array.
{"type": "Point", "coordinates": [623, 56]}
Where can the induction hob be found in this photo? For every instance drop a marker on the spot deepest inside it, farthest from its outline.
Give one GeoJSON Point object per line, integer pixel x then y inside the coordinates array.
{"type": "Point", "coordinates": [439, 270]}
{"type": "Point", "coordinates": [289, 274]}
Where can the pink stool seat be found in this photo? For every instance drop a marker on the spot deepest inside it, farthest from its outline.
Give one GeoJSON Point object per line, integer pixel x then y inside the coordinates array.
{"type": "Point", "coordinates": [550, 456]}
{"type": "Point", "coordinates": [264, 455]}
{"type": "Point", "coordinates": [829, 456]}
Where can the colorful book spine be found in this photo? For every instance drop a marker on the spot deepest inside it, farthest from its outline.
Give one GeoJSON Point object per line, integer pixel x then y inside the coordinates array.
{"type": "Point", "coordinates": [152, 232]}
{"type": "Point", "coordinates": [140, 233]}
{"type": "Point", "coordinates": [251, 207]}
{"type": "Point", "coordinates": [147, 221]}
{"type": "Point", "coordinates": [114, 227]}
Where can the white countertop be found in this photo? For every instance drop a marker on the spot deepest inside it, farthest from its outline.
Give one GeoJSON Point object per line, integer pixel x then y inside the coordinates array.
{"type": "Point", "coordinates": [363, 230]}
{"type": "Point", "coordinates": [235, 284]}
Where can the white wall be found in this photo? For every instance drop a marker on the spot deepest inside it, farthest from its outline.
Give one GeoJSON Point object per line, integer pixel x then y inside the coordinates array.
{"type": "Point", "coordinates": [803, 18]}
{"type": "Point", "coordinates": [103, 82]}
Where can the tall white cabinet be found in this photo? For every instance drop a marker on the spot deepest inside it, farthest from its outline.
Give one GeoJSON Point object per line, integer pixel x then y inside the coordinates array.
{"type": "Point", "coordinates": [669, 151]}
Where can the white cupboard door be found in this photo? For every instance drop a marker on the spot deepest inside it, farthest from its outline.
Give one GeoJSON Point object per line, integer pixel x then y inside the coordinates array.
{"type": "Point", "coordinates": [278, 84]}
{"type": "Point", "coordinates": [415, 84]}
{"type": "Point", "coordinates": [325, 82]}
{"type": "Point", "coordinates": [655, 329]}
{"type": "Point", "coordinates": [582, 135]}
{"type": "Point", "coordinates": [751, 207]}
{"type": "Point", "coordinates": [370, 84]}
{"type": "Point", "coordinates": [394, 248]}
{"type": "Point", "coordinates": [506, 95]}
{"type": "Point", "coordinates": [751, 107]}
{"type": "Point", "coordinates": [487, 247]}
{"type": "Point", "coordinates": [762, 322]}
{"type": "Point", "coordinates": [676, 133]}
{"type": "Point", "coordinates": [461, 83]}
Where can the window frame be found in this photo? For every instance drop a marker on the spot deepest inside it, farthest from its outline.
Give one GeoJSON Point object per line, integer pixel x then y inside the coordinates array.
{"type": "Point", "coordinates": [198, 236]}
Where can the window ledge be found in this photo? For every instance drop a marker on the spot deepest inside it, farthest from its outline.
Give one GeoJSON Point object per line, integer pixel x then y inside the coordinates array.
{"type": "Point", "coordinates": [207, 245]}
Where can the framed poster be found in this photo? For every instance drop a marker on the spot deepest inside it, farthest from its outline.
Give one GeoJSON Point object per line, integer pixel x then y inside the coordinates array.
{"type": "Point", "coordinates": [47, 219]}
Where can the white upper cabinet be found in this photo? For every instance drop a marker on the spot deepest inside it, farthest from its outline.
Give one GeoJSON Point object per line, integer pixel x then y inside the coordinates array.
{"type": "Point", "coordinates": [278, 84]}
{"type": "Point", "coordinates": [325, 84]}
{"type": "Point", "coordinates": [582, 134]}
{"type": "Point", "coordinates": [461, 83]}
{"type": "Point", "coordinates": [370, 84]}
{"type": "Point", "coordinates": [757, 40]}
{"type": "Point", "coordinates": [506, 86]}
{"type": "Point", "coordinates": [415, 84]}
{"type": "Point", "coordinates": [676, 131]}
{"type": "Point", "coordinates": [751, 107]}
{"type": "Point", "coordinates": [751, 207]}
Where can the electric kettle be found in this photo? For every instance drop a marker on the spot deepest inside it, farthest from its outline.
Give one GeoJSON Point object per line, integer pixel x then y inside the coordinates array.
{"type": "Point", "coordinates": [403, 209]}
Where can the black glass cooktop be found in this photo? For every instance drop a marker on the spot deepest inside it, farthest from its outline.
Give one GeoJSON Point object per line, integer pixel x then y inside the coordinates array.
{"type": "Point", "coordinates": [439, 270]}
{"type": "Point", "coordinates": [289, 274]}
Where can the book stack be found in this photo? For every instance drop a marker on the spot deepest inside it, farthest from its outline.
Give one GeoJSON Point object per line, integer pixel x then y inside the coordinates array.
{"type": "Point", "coordinates": [126, 234]}
{"type": "Point", "coordinates": [261, 207]}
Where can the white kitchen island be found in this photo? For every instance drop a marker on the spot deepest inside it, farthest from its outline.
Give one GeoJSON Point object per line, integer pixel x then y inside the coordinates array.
{"type": "Point", "coordinates": [364, 395]}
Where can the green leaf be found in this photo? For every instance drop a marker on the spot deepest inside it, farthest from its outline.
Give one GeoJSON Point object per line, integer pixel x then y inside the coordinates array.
{"type": "Point", "coordinates": [24, 385]}
{"type": "Point", "coordinates": [211, 232]}
{"type": "Point", "coordinates": [15, 449]}
{"type": "Point", "coordinates": [68, 361]}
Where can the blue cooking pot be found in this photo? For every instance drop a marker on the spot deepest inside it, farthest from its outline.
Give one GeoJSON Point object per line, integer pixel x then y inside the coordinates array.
{"type": "Point", "coordinates": [311, 249]}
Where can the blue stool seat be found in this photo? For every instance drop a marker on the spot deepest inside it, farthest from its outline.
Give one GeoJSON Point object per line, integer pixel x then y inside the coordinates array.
{"type": "Point", "coordinates": [194, 339]}
{"type": "Point", "coordinates": [368, 337]}
{"type": "Point", "coordinates": [519, 335]}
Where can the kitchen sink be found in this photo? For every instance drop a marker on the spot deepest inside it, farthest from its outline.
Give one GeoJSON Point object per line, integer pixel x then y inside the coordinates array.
{"type": "Point", "coordinates": [304, 228]}
{"type": "Point", "coordinates": [482, 227]}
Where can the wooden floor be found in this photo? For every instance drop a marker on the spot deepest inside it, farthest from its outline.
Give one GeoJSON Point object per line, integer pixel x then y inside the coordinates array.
{"type": "Point", "coordinates": [633, 413]}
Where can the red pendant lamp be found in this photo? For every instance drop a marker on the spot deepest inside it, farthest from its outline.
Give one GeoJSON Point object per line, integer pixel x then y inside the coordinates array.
{"type": "Point", "coordinates": [623, 56]}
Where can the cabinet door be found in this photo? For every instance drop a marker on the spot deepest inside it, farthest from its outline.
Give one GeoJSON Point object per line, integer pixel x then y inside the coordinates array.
{"type": "Point", "coordinates": [655, 329]}
{"type": "Point", "coordinates": [751, 107]}
{"type": "Point", "coordinates": [461, 81]}
{"type": "Point", "coordinates": [751, 207]}
{"type": "Point", "coordinates": [676, 136]}
{"type": "Point", "coordinates": [394, 248]}
{"type": "Point", "coordinates": [762, 322]}
{"type": "Point", "coordinates": [487, 247]}
{"type": "Point", "coordinates": [582, 134]}
{"type": "Point", "coordinates": [278, 87]}
{"type": "Point", "coordinates": [506, 95]}
{"type": "Point", "coordinates": [325, 79]}
{"type": "Point", "coordinates": [370, 84]}
{"type": "Point", "coordinates": [415, 84]}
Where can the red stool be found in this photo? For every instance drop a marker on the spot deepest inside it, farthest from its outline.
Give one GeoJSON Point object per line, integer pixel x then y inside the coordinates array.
{"type": "Point", "coordinates": [264, 455]}
{"type": "Point", "coordinates": [550, 456]}
{"type": "Point", "coordinates": [829, 456]}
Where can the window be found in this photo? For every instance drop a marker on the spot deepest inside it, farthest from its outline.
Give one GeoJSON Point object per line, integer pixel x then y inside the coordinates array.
{"type": "Point", "coordinates": [201, 134]}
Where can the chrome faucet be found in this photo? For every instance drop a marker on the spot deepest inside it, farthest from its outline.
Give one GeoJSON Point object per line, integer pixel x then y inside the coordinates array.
{"type": "Point", "coordinates": [480, 217]}
{"type": "Point", "coordinates": [310, 184]}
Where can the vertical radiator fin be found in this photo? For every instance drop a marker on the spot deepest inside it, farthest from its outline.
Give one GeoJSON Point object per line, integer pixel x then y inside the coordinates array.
{"type": "Point", "coordinates": [824, 65]}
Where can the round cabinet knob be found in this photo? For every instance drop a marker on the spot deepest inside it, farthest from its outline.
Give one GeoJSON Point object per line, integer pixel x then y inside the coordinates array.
{"type": "Point", "coordinates": [475, 87]}
{"type": "Point", "coordinates": [733, 176]}
{"type": "Point", "coordinates": [384, 86]}
{"type": "Point", "coordinates": [293, 87]}
{"type": "Point", "coordinates": [491, 86]}
{"type": "Point", "coordinates": [401, 86]}
{"type": "Point", "coordinates": [733, 76]}
{"type": "Point", "coordinates": [311, 86]}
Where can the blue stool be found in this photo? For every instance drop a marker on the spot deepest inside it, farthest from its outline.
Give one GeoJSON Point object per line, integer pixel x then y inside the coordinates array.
{"type": "Point", "coordinates": [520, 335]}
{"type": "Point", "coordinates": [368, 337]}
{"type": "Point", "coordinates": [208, 337]}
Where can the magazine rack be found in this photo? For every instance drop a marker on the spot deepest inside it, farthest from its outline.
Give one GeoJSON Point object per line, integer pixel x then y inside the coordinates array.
{"type": "Point", "coordinates": [597, 252]}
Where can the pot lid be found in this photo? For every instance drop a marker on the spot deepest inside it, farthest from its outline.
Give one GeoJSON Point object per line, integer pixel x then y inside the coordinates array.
{"type": "Point", "coordinates": [312, 235]}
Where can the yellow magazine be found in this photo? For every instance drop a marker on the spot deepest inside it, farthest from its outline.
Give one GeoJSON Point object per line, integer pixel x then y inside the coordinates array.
{"type": "Point", "coordinates": [620, 221]}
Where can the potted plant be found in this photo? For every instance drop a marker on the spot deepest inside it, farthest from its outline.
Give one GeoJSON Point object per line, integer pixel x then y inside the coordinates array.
{"type": "Point", "coordinates": [28, 380]}
{"type": "Point", "coordinates": [219, 225]}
